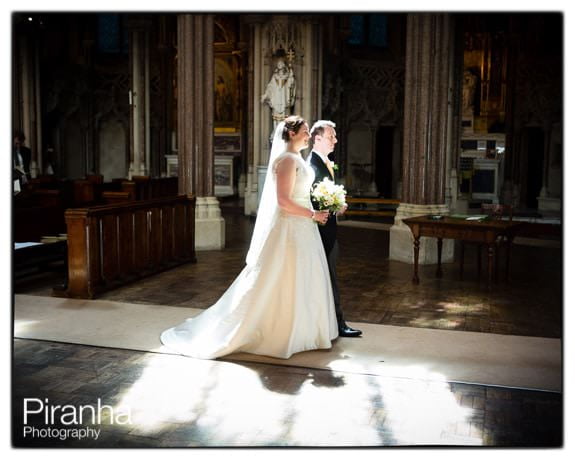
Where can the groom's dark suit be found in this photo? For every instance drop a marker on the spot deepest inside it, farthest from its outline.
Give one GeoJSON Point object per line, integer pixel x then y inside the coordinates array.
{"type": "Point", "coordinates": [328, 233]}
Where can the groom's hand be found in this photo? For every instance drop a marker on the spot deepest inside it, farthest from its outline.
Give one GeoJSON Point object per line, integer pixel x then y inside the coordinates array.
{"type": "Point", "coordinates": [341, 212]}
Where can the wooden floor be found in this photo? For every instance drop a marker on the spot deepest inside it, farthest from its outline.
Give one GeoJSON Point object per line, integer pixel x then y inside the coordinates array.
{"type": "Point", "coordinates": [219, 403]}
{"type": "Point", "coordinates": [375, 289]}
{"type": "Point", "coordinates": [174, 401]}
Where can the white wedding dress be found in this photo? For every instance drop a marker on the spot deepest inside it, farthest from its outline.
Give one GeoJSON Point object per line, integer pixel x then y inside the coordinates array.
{"type": "Point", "coordinates": [277, 306]}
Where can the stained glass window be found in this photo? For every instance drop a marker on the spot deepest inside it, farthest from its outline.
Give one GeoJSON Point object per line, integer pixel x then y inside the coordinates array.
{"type": "Point", "coordinates": [378, 30]}
{"type": "Point", "coordinates": [368, 29]}
{"type": "Point", "coordinates": [357, 23]}
{"type": "Point", "coordinates": [112, 38]}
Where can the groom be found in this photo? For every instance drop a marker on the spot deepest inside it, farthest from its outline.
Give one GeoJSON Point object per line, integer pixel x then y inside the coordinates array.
{"type": "Point", "coordinates": [323, 141]}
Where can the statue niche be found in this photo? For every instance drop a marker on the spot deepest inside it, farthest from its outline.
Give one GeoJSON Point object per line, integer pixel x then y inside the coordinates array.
{"type": "Point", "coordinates": [280, 91]}
{"type": "Point", "coordinates": [468, 93]}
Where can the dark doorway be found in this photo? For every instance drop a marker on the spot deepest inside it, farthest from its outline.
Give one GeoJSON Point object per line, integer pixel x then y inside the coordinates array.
{"type": "Point", "coordinates": [535, 155]}
{"type": "Point", "coordinates": [384, 161]}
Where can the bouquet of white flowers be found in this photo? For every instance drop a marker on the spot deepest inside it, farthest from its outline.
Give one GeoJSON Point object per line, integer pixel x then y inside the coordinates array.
{"type": "Point", "coordinates": [330, 196]}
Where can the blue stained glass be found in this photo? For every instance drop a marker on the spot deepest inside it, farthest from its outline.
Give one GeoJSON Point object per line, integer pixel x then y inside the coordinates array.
{"type": "Point", "coordinates": [125, 42]}
{"type": "Point", "coordinates": [357, 23]}
{"type": "Point", "coordinates": [109, 33]}
{"type": "Point", "coordinates": [378, 30]}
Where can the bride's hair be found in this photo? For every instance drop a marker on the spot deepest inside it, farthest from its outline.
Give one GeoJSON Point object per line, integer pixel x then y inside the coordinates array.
{"type": "Point", "coordinates": [292, 123]}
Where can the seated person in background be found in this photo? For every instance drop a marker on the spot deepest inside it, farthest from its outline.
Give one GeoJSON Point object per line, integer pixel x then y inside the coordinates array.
{"type": "Point", "coordinates": [21, 157]}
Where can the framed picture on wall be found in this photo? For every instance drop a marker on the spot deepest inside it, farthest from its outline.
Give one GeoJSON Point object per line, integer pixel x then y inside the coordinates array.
{"type": "Point", "coordinates": [223, 175]}
{"type": "Point", "coordinates": [227, 142]}
{"type": "Point", "coordinates": [226, 88]}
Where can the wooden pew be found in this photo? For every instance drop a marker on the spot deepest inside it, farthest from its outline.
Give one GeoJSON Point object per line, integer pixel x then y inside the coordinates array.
{"type": "Point", "coordinates": [112, 245]}
{"type": "Point", "coordinates": [51, 185]}
{"type": "Point", "coordinates": [92, 190]}
{"type": "Point", "coordinates": [37, 198]}
{"type": "Point", "coordinates": [379, 207]}
{"type": "Point", "coordinates": [42, 182]}
{"type": "Point", "coordinates": [95, 178]}
{"type": "Point", "coordinates": [32, 223]}
{"type": "Point", "coordinates": [146, 188]}
{"type": "Point", "coordinates": [84, 193]}
{"type": "Point", "coordinates": [37, 213]}
{"type": "Point", "coordinates": [110, 197]}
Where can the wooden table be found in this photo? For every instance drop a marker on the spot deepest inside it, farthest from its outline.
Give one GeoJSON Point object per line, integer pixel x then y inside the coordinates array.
{"type": "Point", "coordinates": [486, 232]}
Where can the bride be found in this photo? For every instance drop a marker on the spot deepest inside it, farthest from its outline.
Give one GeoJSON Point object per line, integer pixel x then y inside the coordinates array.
{"type": "Point", "coordinates": [282, 302]}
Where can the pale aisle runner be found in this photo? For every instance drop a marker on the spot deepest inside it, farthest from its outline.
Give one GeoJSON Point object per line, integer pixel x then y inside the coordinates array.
{"type": "Point", "coordinates": [391, 351]}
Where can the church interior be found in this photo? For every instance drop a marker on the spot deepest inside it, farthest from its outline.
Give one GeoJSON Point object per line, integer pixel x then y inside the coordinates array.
{"type": "Point", "coordinates": [140, 148]}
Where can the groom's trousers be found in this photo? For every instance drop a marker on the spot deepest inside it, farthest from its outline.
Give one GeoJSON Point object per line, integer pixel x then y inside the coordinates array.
{"type": "Point", "coordinates": [331, 263]}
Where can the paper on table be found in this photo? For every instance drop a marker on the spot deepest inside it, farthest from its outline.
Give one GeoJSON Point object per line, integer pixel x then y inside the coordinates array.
{"type": "Point", "coordinates": [469, 217]}
{"type": "Point", "coordinates": [25, 245]}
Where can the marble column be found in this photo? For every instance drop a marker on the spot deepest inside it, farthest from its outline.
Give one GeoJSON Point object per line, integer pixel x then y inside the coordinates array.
{"type": "Point", "coordinates": [311, 82]}
{"type": "Point", "coordinates": [139, 97]}
{"type": "Point", "coordinates": [196, 126]}
{"type": "Point", "coordinates": [256, 116]}
{"type": "Point", "coordinates": [27, 95]}
{"type": "Point", "coordinates": [548, 201]}
{"type": "Point", "coordinates": [426, 133]}
{"type": "Point", "coordinates": [167, 130]}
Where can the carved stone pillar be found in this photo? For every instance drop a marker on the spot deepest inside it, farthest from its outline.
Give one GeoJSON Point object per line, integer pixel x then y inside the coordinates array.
{"type": "Point", "coordinates": [139, 97]}
{"type": "Point", "coordinates": [256, 142]}
{"type": "Point", "coordinates": [196, 125]}
{"type": "Point", "coordinates": [426, 133]}
{"type": "Point", "coordinates": [549, 201]}
{"type": "Point", "coordinates": [167, 129]}
{"type": "Point", "coordinates": [27, 96]}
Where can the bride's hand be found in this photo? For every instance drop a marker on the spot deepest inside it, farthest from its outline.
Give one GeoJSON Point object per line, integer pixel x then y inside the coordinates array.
{"type": "Point", "coordinates": [321, 216]}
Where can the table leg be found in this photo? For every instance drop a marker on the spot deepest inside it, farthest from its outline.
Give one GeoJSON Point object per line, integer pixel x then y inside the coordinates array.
{"type": "Point", "coordinates": [479, 261]}
{"type": "Point", "coordinates": [496, 271]}
{"type": "Point", "coordinates": [439, 273]}
{"type": "Point", "coordinates": [415, 279]}
{"type": "Point", "coordinates": [509, 241]}
{"type": "Point", "coordinates": [490, 252]}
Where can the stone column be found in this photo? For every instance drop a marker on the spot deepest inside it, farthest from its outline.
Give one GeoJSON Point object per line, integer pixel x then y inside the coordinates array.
{"type": "Point", "coordinates": [425, 133]}
{"type": "Point", "coordinates": [196, 125]}
{"type": "Point", "coordinates": [311, 83]}
{"type": "Point", "coordinates": [547, 201]}
{"type": "Point", "coordinates": [139, 97]}
{"type": "Point", "coordinates": [256, 117]}
{"type": "Point", "coordinates": [27, 96]}
{"type": "Point", "coordinates": [167, 130]}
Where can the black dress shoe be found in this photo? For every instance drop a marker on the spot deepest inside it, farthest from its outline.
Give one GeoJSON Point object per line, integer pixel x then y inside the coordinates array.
{"type": "Point", "coordinates": [346, 331]}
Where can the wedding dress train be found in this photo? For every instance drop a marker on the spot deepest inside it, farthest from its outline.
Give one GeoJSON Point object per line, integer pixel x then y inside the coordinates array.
{"type": "Point", "coordinates": [277, 306]}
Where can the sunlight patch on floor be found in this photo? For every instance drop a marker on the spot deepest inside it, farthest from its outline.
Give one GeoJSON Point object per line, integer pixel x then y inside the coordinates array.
{"type": "Point", "coordinates": [227, 398]}
{"type": "Point", "coordinates": [21, 326]}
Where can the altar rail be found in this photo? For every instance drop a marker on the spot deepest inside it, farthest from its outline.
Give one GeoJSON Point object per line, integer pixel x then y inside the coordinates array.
{"type": "Point", "coordinates": [112, 245]}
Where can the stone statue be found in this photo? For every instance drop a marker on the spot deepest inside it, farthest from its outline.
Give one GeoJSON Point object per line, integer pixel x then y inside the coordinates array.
{"type": "Point", "coordinates": [468, 93]}
{"type": "Point", "coordinates": [280, 91]}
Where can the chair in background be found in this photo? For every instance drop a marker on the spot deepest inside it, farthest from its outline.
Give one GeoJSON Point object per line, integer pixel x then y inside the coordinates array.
{"type": "Point", "coordinates": [95, 178]}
